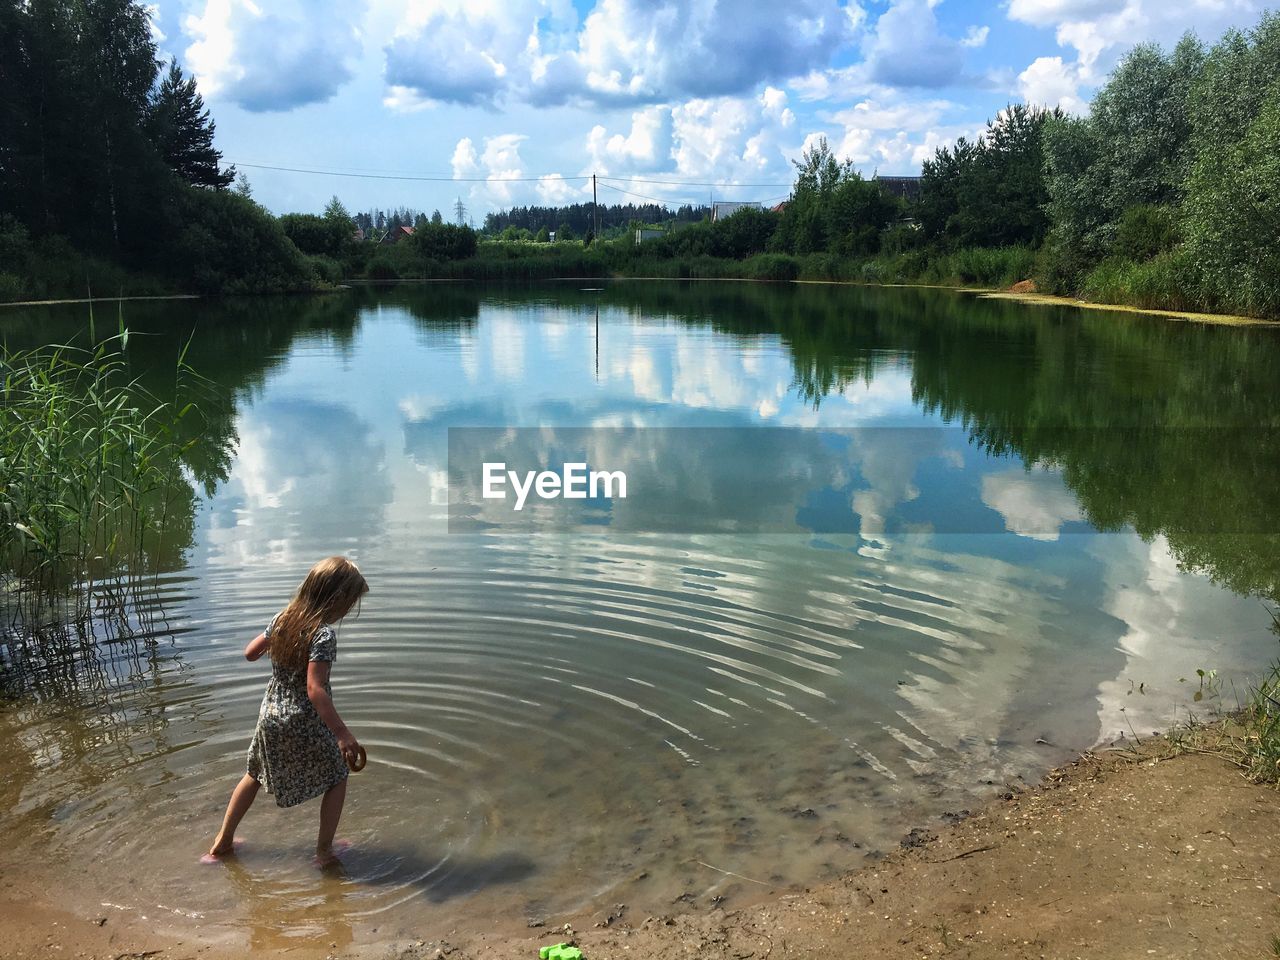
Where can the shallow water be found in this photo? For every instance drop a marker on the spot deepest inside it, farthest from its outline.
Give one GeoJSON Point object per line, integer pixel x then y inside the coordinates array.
{"type": "Point", "coordinates": [559, 718]}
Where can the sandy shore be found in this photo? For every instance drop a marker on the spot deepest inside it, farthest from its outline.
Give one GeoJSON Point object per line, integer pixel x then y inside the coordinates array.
{"type": "Point", "coordinates": [1125, 853]}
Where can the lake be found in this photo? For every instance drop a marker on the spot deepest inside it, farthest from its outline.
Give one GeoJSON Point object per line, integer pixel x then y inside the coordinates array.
{"type": "Point", "coordinates": [901, 549]}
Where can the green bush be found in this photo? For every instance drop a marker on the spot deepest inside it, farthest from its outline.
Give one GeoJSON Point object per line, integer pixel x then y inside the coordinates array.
{"type": "Point", "coordinates": [1164, 283]}
{"type": "Point", "coordinates": [381, 268]}
{"type": "Point", "coordinates": [445, 241]}
{"type": "Point", "coordinates": [326, 236]}
{"type": "Point", "coordinates": [822, 266]}
{"type": "Point", "coordinates": [11, 288]}
{"type": "Point", "coordinates": [1145, 231]}
{"type": "Point", "coordinates": [326, 269]}
{"type": "Point", "coordinates": [229, 244]}
{"type": "Point", "coordinates": [775, 267]}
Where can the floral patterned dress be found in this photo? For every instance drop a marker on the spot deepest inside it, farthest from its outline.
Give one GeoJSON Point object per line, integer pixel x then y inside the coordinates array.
{"type": "Point", "coordinates": [293, 754]}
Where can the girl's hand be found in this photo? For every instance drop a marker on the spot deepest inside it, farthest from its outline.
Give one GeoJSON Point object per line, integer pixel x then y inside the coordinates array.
{"type": "Point", "coordinates": [349, 745]}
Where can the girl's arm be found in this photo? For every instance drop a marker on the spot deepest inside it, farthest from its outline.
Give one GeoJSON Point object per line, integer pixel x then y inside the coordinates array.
{"type": "Point", "coordinates": [257, 647]}
{"type": "Point", "coordinates": [317, 678]}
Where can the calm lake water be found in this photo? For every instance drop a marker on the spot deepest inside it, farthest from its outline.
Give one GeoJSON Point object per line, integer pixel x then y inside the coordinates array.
{"type": "Point", "coordinates": [991, 536]}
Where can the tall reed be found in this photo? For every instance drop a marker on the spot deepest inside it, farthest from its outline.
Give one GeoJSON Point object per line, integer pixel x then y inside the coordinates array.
{"type": "Point", "coordinates": [90, 465]}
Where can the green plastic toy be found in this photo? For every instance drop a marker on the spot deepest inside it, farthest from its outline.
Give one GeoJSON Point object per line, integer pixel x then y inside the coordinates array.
{"type": "Point", "coordinates": [561, 951]}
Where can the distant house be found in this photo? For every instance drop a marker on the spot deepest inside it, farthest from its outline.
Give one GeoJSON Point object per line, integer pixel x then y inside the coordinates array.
{"type": "Point", "coordinates": [648, 233]}
{"type": "Point", "coordinates": [907, 188]}
{"type": "Point", "coordinates": [779, 208]}
{"type": "Point", "coordinates": [721, 209]}
{"type": "Point", "coordinates": [396, 234]}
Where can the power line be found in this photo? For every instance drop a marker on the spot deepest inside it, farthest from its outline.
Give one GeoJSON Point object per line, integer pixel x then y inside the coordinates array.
{"type": "Point", "coordinates": [387, 176]}
{"type": "Point", "coordinates": [694, 183]}
{"type": "Point", "coordinates": [440, 178]}
{"type": "Point", "coordinates": [641, 196]}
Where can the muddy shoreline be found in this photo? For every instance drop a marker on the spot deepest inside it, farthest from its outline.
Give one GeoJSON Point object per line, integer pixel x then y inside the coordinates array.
{"type": "Point", "coordinates": [1148, 851]}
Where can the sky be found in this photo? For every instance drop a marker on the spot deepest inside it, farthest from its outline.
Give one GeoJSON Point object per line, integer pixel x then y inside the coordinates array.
{"type": "Point", "coordinates": [514, 102]}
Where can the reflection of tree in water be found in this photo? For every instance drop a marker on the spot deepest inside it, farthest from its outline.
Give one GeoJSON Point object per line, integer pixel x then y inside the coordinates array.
{"type": "Point", "coordinates": [232, 344]}
{"type": "Point", "coordinates": [1170, 428]}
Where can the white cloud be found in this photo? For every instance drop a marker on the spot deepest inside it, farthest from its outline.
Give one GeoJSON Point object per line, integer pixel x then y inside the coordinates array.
{"type": "Point", "coordinates": [976, 37]}
{"type": "Point", "coordinates": [1041, 13]}
{"type": "Point", "coordinates": [1050, 82]}
{"type": "Point", "coordinates": [646, 146]}
{"type": "Point", "coordinates": [272, 58]}
{"type": "Point", "coordinates": [909, 50]}
{"type": "Point", "coordinates": [554, 190]}
{"type": "Point", "coordinates": [498, 163]}
{"type": "Point", "coordinates": [625, 51]}
{"type": "Point", "coordinates": [1034, 505]}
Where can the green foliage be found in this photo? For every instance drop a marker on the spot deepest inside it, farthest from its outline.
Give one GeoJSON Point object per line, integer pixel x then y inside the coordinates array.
{"type": "Point", "coordinates": [228, 244]}
{"type": "Point", "coordinates": [543, 236]}
{"type": "Point", "coordinates": [326, 269]}
{"type": "Point", "coordinates": [774, 267]}
{"type": "Point", "coordinates": [1161, 282]}
{"type": "Point", "coordinates": [991, 193]}
{"type": "Point", "coordinates": [326, 236]}
{"type": "Point", "coordinates": [445, 241]}
{"type": "Point", "coordinates": [1232, 216]}
{"type": "Point", "coordinates": [90, 464]}
{"type": "Point", "coordinates": [804, 227]}
{"type": "Point", "coordinates": [1146, 231]}
{"type": "Point", "coordinates": [1134, 148]}
{"type": "Point", "coordinates": [564, 233]}
{"type": "Point", "coordinates": [182, 131]}
{"type": "Point", "coordinates": [112, 165]}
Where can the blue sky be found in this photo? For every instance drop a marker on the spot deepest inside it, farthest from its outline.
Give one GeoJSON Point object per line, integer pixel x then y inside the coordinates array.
{"type": "Point", "coordinates": [516, 98]}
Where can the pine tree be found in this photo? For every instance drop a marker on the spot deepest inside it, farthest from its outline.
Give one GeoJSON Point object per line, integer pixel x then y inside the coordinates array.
{"type": "Point", "coordinates": [182, 131]}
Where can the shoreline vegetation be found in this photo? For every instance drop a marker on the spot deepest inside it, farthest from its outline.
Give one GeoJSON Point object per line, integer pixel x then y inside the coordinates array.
{"type": "Point", "coordinates": [1030, 297]}
{"type": "Point", "coordinates": [1148, 846]}
{"type": "Point", "coordinates": [1163, 198]}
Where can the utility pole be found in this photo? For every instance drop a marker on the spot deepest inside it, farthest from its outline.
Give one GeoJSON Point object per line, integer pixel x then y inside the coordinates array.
{"type": "Point", "coordinates": [595, 211]}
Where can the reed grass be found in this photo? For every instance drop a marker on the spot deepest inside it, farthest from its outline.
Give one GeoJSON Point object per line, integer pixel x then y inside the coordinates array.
{"type": "Point", "coordinates": [90, 461]}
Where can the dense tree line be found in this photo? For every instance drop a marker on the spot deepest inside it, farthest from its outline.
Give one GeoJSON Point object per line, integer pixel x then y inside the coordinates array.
{"type": "Point", "coordinates": [578, 217]}
{"type": "Point", "coordinates": [106, 153]}
{"type": "Point", "coordinates": [1167, 194]}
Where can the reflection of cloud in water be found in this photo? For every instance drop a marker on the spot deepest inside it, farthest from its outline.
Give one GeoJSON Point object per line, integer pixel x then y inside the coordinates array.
{"type": "Point", "coordinates": [1034, 505]}
{"type": "Point", "coordinates": [1173, 624]}
{"type": "Point", "coordinates": [889, 460]}
{"type": "Point", "coordinates": [307, 477]}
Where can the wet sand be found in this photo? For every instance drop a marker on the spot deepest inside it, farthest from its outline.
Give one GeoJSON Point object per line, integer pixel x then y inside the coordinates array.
{"type": "Point", "coordinates": [1124, 853]}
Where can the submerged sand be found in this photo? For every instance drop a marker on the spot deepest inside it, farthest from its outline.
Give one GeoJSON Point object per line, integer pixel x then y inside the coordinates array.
{"type": "Point", "coordinates": [1126, 853]}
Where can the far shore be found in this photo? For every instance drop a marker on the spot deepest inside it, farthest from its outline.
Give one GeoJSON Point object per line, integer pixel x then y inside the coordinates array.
{"type": "Point", "coordinates": [1129, 851]}
{"type": "Point", "coordinates": [1032, 298]}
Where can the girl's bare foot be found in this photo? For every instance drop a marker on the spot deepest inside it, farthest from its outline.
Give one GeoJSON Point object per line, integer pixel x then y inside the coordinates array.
{"type": "Point", "coordinates": [328, 856]}
{"type": "Point", "coordinates": [221, 848]}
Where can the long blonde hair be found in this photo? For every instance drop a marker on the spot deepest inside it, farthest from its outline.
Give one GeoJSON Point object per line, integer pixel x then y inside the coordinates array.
{"type": "Point", "coordinates": [326, 595]}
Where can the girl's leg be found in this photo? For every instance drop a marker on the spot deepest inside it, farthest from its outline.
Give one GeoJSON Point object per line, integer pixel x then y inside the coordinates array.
{"type": "Point", "coordinates": [241, 800]}
{"type": "Point", "coordinates": [330, 814]}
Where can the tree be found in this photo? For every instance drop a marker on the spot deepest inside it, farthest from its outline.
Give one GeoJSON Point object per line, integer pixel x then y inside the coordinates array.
{"type": "Point", "coordinates": [804, 227]}
{"type": "Point", "coordinates": [435, 217]}
{"type": "Point", "coordinates": [941, 179]}
{"type": "Point", "coordinates": [857, 212]}
{"type": "Point", "coordinates": [1233, 217]}
{"type": "Point", "coordinates": [242, 186]}
{"type": "Point", "coordinates": [544, 235]}
{"type": "Point", "coordinates": [1134, 148]}
{"type": "Point", "coordinates": [335, 211]}
{"type": "Point", "coordinates": [182, 130]}
{"type": "Point", "coordinates": [446, 241]}
{"type": "Point", "coordinates": [564, 232]}
{"type": "Point", "coordinates": [317, 235]}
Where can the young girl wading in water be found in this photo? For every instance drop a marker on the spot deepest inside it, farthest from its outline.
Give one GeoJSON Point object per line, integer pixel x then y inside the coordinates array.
{"type": "Point", "coordinates": [301, 748]}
